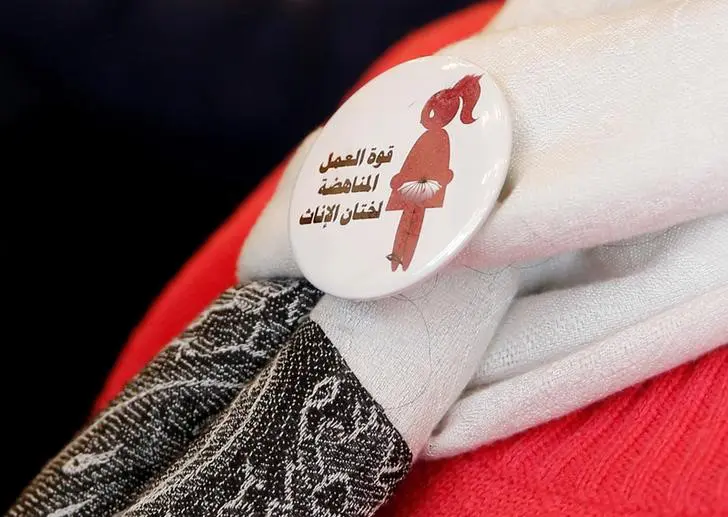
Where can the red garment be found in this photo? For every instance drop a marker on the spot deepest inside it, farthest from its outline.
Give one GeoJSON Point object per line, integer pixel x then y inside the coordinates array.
{"type": "Point", "coordinates": [660, 448]}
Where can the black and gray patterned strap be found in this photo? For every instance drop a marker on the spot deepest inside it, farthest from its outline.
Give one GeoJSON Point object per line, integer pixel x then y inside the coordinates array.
{"type": "Point", "coordinates": [304, 439]}
{"type": "Point", "coordinates": [160, 412]}
{"type": "Point", "coordinates": [225, 422]}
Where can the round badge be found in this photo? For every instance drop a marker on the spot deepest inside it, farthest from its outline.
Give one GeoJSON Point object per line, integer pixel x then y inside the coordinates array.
{"type": "Point", "coordinates": [400, 178]}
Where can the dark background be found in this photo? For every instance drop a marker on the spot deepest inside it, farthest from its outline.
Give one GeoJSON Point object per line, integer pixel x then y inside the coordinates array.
{"type": "Point", "coordinates": [128, 131]}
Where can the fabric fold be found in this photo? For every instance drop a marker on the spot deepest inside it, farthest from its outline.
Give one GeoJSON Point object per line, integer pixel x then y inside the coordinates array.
{"type": "Point", "coordinates": [619, 121]}
{"type": "Point", "coordinates": [664, 341]}
{"type": "Point", "coordinates": [415, 353]}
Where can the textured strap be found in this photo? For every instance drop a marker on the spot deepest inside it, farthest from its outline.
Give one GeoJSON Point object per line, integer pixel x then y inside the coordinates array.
{"type": "Point", "coordinates": [238, 416]}
{"type": "Point", "coordinates": [153, 421]}
{"type": "Point", "coordinates": [303, 439]}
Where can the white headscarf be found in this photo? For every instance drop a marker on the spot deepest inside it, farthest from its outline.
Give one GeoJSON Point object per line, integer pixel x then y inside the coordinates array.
{"type": "Point", "coordinates": [606, 262]}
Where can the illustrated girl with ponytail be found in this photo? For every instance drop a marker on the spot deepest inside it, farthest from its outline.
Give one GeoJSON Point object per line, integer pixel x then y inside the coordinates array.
{"type": "Point", "coordinates": [421, 182]}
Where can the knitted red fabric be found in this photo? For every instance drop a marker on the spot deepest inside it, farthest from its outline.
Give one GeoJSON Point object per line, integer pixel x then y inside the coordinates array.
{"type": "Point", "coordinates": [660, 448]}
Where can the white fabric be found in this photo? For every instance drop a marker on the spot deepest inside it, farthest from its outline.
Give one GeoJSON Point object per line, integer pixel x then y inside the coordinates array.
{"type": "Point", "coordinates": [524, 13]}
{"type": "Point", "coordinates": [648, 306]}
{"type": "Point", "coordinates": [416, 353]}
{"type": "Point", "coordinates": [607, 261]}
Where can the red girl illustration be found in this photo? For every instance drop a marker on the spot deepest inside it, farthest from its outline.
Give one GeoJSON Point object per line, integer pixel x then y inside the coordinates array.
{"type": "Point", "coordinates": [425, 174]}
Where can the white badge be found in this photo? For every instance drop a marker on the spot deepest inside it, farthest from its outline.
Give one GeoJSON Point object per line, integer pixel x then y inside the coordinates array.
{"type": "Point", "coordinates": [400, 178]}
